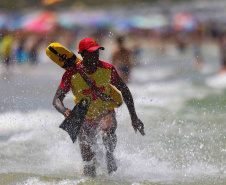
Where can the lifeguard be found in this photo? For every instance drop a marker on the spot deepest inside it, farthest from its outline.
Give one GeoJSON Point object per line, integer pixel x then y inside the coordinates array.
{"type": "Point", "coordinates": [101, 114]}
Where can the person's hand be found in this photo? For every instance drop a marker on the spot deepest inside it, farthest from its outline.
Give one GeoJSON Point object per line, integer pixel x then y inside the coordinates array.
{"type": "Point", "coordinates": [67, 114]}
{"type": "Point", "coordinates": [138, 125]}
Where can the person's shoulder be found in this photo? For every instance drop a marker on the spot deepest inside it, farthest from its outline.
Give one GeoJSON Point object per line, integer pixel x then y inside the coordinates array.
{"type": "Point", "coordinates": [70, 71]}
{"type": "Point", "coordinates": [105, 65]}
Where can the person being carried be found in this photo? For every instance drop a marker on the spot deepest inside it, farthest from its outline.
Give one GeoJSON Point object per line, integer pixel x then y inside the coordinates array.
{"type": "Point", "coordinates": [100, 116]}
{"type": "Point", "coordinates": [121, 59]}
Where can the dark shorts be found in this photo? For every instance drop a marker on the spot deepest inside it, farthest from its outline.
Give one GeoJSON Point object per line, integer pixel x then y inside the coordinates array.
{"type": "Point", "coordinates": [95, 122]}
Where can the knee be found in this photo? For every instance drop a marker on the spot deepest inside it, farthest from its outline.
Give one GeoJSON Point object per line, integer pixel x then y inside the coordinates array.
{"type": "Point", "coordinates": [108, 123]}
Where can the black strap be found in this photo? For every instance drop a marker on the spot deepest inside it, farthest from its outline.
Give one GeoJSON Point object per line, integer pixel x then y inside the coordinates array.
{"type": "Point", "coordinates": [103, 96]}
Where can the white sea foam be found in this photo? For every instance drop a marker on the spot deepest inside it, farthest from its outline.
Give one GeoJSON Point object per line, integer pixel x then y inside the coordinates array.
{"type": "Point", "coordinates": [35, 181]}
{"type": "Point", "coordinates": [217, 81]}
{"type": "Point", "coordinates": [176, 146]}
{"type": "Point", "coordinates": [12, 122]}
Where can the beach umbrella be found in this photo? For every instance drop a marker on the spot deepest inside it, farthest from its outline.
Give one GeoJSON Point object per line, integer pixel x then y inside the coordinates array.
{"type": "Point", "coordinates": [39, 22]}
{"type": "Point", "coordinates": [121, 24]}
{"type": "Point", "coordinates": [184, 21]}
{"type": "Point", "coordinates": [67, 19]}
{"type": "Point", "coordinates": [9, 20]}
{"type": "Point", "coordinates": [3, 20]}
{"type": "Point", "coordinates": [140, 22]}
{"type": "Point", "coordinates": [50, 2]}
{"type": "Point", "coordinates": [149, 22]}
{"type": "Point", "coordinates": [158, 21]}
{"type": "Point", "coordinates": [100, 19]}
{"type": "Point", "coordinates": [71, 19]}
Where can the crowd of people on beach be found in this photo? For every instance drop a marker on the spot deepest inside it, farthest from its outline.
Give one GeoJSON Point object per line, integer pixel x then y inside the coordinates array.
{"type": "Point", "coordinates": [21, 46]}
{"type": "Point", "coordinates": [18, 47]}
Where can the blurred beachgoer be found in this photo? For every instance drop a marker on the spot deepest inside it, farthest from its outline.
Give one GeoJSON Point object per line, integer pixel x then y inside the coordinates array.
{"type": "Point", "coordinates": [6, 49]}
{"type": "Point", "coordinates": [136, 54]}
{"type": "Point", "coordinates": [100, 117]}
{"type": "Point", "coordinates": [181, 43]}
{"type": "Point", "coordinates": [222, 45]}
{"type": "Point", "coordinates": [21, 53]}
{"type": "Point", "coordinates": [33, 50]}
{"type": "Point", "coordinates": [121, 59]}
{"type": "Point", "coordinates": [197, 44]}
{"type": "Point", "coordinates": [214, 29]}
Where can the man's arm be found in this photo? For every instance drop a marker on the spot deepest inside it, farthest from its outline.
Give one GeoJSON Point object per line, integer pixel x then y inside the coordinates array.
{"type": "Point", "coordinates": [128, 99]}
{"type": "Point", "coordinates": [58, 102]}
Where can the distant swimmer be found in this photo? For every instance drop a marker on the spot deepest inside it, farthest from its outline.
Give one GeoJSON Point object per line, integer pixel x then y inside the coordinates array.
{"type": "Point", "coordinates": [222, 47]}
{"type": "Point", "coordinates": [101, 115]}
{"type": "Point", "coordinates": [197, 48]}
{"type": "Point", "coordinates": [121, 59]}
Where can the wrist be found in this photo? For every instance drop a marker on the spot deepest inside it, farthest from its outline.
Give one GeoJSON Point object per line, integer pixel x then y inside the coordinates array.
{"type": "Point", "coordinates": [134, 117]}
{"type": "Point", "coordinates": [64, 110]}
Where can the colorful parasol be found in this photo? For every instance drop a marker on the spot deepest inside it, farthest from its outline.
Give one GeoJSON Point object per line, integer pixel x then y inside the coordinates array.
{"type": "Point", "coordinates": [184, 21]}
{"type": "Point", "coordinates": [39, 22]}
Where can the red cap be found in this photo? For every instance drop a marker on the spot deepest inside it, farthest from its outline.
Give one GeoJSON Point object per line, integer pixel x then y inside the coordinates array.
{"type": "Point", "coordinates": [88, 44]}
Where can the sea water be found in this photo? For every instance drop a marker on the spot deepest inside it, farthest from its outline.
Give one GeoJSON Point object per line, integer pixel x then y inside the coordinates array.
{"type": "Point", "coordinates": [183, 110]}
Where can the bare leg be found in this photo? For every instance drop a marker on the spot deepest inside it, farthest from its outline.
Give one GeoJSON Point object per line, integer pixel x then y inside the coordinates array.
{"type": "Point", "coordinates": [108, 125]}
{"type": "Point", "coordinates": [87, 138]}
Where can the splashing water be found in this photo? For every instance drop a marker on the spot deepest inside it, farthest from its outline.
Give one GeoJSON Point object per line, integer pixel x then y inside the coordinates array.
{"type": "Point", "coordinates": [184, 143]}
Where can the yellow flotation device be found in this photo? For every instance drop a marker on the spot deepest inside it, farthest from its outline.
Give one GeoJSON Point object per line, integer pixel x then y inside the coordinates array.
{"type": "Point", "coordinates": [63, 52]}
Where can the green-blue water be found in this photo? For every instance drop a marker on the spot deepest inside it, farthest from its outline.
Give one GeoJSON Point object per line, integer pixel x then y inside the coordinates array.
{"type": "Point", "coordinates": [184, 112]}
